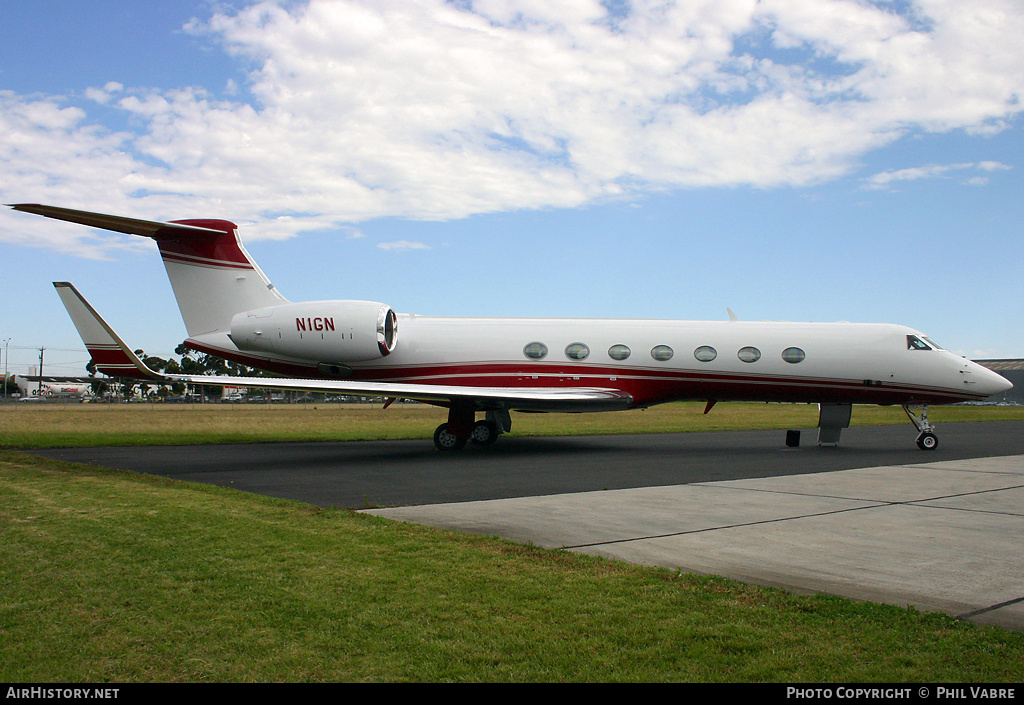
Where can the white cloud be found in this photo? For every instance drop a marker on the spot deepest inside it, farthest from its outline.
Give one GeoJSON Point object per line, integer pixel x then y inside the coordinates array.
{"type": "Point", "coordinates": [436, 110]}
{"type": "Point", "coordinates": [402, 245]}
{"type": "Point", "coordinates": [933, 171]}
{"type": "Point", "coordinates": [993, 166]}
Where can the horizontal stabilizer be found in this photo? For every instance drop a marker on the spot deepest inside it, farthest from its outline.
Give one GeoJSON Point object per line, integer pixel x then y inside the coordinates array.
{"type": "Point", "coordinates": [131, 226]}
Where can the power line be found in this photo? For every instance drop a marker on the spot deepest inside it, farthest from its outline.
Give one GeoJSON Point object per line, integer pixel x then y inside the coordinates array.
{"type": "Point", "coordinates": [36, 347]}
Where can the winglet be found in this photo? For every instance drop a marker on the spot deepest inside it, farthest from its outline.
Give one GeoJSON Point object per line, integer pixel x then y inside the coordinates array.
{"type": "Point", "coordinates": [109, 353]}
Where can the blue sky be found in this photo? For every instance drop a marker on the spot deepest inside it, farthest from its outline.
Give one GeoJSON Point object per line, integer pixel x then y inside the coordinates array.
{"type": "Point", "coordinates": [799, 160]}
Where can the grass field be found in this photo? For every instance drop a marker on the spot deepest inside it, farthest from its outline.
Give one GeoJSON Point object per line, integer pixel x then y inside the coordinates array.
{"type": "Point", "coordinates": [55, 425]}
{"type": "Point", "coordinates": [118, 577]}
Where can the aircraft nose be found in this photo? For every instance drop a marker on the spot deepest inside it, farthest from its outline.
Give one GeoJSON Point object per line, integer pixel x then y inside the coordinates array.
{"type": "Point", "coordinates": [990, 382]}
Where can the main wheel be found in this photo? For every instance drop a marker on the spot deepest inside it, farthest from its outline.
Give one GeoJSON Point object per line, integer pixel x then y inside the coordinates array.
{"type": "Point", "coordinates": [484, 433]}
{"type": "Point", "coordinates": [445, 440]}
{"type": "Point", "coordinates": [927, 441]}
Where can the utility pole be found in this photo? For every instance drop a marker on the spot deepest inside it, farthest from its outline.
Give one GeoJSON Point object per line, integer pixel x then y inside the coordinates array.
{"type": "Point", "coordinates": [39, 389]}
{"type": "Point", "coordinates": [7, 360]}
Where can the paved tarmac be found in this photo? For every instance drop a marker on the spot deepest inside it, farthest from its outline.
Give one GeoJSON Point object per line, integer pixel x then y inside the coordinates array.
{"type": "Point", "coordinates": [874, 519]}
{"type": "Point", "coordinates": [941, 536]}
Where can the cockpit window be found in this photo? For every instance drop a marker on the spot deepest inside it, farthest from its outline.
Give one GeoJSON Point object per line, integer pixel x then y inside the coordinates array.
{"type": "Point", "coordinates": [933, 344]}
{"type": "Point", "coordinates": [915, 343]}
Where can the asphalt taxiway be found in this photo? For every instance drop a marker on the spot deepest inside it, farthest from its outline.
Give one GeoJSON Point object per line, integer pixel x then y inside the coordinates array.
{"type": "Point", "coordinates": [874, 518]}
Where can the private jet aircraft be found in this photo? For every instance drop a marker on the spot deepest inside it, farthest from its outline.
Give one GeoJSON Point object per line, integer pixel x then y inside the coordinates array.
{"type": "Point", "coordinates": [497, 365]}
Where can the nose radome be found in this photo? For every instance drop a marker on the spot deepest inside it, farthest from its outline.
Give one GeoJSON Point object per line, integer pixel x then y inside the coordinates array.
{"type": "Point", "coordinates": [988, 381]}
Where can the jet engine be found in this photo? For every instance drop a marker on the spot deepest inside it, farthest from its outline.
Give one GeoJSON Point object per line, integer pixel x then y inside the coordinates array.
{"type": "Point", "coordinates": [328, 332]}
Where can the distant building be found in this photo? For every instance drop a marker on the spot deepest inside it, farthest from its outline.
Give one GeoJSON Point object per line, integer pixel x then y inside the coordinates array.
{"type": "Point", "coordinates": [1013, 370]}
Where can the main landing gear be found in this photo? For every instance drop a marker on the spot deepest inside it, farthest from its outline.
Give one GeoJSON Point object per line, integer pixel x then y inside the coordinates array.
{"type": "Point", "coordinates": [926, 439]}
{"type": "Point", "coordinates": [462, 427]}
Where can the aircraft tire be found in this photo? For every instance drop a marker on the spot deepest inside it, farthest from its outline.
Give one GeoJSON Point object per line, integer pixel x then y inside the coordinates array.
{"type": "Point", "coordinates": [445, 441]}
{"type": "Point", "coordinates": [927, 441]}
{"type": "Point", "coordinates": [485, 433]}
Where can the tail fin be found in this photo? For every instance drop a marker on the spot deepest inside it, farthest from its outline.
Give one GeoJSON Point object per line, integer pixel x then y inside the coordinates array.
{"type": "Point", "coordinates": [212, 275]}
{"type": "Point", "coordinates": [109, 353]}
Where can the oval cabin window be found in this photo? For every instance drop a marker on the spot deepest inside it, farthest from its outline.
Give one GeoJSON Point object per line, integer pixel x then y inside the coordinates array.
{"type": "Point", "coordinates": [618, 352]}
{"type": "Point", "coordinates": [577, 351]}
{"type": "Point", "coordinates": [536, 351]}
{"type": "Point", "coordinates": [749, 354]}
{"type": "Point", "coordinates": [705, 353]}
{"type": "Point", "coordinates": [793, 355]}
{"type": "Point", "coordinates": [662, 353]}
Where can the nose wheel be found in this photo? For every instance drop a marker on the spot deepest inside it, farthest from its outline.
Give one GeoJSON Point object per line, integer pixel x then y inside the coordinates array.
{"type": "Point", "coordinates": [926, 439]}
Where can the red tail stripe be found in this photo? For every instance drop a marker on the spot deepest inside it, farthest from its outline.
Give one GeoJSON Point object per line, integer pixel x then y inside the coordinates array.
{"type": "Point", "coordinates": [106, 356]}
{"type": "Point", "coordinates": [204, 262]}
{"type": "Point", "coordinates": [221, 249]}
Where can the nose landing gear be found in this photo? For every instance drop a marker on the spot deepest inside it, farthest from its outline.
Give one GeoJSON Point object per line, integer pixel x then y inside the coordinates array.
{"type": "Point", "coordinates": [926, 439]}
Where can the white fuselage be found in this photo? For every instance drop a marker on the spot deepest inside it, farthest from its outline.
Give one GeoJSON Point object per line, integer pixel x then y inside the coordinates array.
{"type": "Point", "coordinates": [655, 361]}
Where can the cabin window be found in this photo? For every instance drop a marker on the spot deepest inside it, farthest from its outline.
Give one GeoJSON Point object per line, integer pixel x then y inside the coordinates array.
{"type": "Point", "coordinates": [618, 352]}
{"type": "Point", "coordinates": [749, 354]}
{"type": "Point", "coordinates": [705, 353]}
{"type": "Point", "coordinates": [915, 343]}
{"type": "Point", "coordinates": [662, 353]}
{"type": "Point", "coordinates": [793, 355]}
{"type": "Point", "coordinates": [536, 351]}
{"type": "Point", "coordinates": [577, 351]}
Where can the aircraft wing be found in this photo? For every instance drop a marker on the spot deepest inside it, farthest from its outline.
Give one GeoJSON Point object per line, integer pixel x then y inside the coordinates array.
{"type": "Point", "coordinates": [113, 357]}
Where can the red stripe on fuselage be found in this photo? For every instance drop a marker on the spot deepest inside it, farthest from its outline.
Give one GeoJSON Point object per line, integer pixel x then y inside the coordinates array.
{"type": "Point", "coordinates": [646, 386]}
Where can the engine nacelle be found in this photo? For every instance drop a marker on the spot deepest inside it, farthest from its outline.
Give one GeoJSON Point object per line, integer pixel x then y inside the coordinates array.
{"type": "Point", "coordinates": [326, 332]}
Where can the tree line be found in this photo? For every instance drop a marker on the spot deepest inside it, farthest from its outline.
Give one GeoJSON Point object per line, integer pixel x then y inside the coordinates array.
{"type": "Point", "coordinates": [190, 362]}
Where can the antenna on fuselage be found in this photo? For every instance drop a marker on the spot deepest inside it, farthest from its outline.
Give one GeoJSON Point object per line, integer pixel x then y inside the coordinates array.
{"type": "Point", "coordinates": [732, 316]}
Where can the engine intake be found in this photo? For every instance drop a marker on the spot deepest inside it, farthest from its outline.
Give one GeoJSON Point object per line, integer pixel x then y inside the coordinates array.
{"type": "Point", "coordinates": [323, 331]}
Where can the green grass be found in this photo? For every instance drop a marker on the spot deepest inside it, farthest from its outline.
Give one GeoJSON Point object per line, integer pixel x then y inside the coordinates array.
{"type": "Point", "coordinates": [68, 425]}
{"type": "Point", "coordinates": [119, 577]}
